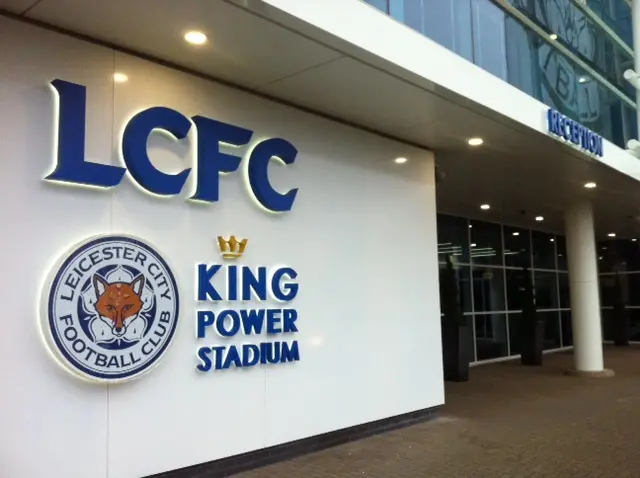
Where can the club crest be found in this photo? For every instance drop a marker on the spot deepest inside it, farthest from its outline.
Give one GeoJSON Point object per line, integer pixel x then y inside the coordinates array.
{"type": "Point", "coordinates": [111, 308]}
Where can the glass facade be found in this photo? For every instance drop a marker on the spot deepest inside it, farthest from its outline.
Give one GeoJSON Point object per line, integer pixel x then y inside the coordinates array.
{"type": "Point", "coordinates": [490, 261]}
{"type": "Point", "coordinates": [495, 40]}
{"type": "Point", "coordinates": [623, 257]}
{"type": "Point", "coordinates": [617, 15]}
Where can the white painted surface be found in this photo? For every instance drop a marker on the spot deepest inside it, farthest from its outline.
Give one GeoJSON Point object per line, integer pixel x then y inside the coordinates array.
{"type": "Point", "coordinates": [422, 61]}
{"type": "Point", "coordinates": [583, 282]}
{"type": "Point", "coordinates": [361, 235]}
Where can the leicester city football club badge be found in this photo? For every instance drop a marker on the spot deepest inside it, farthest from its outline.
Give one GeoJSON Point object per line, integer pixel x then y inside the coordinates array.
{"type": "Point", "coordinates": [110, 308]}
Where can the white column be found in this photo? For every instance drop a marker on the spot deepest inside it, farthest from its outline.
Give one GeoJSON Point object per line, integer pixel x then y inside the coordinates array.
{"type": "Point", "coordinates": [583, 281]}
{"type": "Point", "coordinates": [635, 26]}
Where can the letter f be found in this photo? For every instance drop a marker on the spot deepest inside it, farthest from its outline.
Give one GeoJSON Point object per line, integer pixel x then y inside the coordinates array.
{"type": "Point", "coordinates": [71, 166]}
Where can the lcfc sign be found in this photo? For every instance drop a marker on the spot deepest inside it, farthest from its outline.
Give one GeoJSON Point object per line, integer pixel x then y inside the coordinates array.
{"type": "Point", "coordinates": [71, 166]}
{"type": "Point", "coordinates": [110, 308]}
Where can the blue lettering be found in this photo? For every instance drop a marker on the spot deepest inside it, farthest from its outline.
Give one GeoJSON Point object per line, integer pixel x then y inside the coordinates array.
{"type": "Point", "coordinates": [258, 174]}
{"type": "Point", "coordinates": [289, 316]}
{"type": "Point", "coordinates": [232, 357]}
{"type": "Point", "coordinates": [584, 139]}
{"type": "Point", "coordinates": [71, 166]}
{"type": "Point", "coordinates": [592, 142]}
{"type": "Point", "coordinates": [101, 360]}
{"type": "Point", "coordinates": [552, 121]}
{"type": "Point", "coordinates": [290, 354]}
{"type": "Point", "coordinates": [252, 321]}
{"type": "Point", "coordinates": [273, 321]}
{"type": "Point", "coordinates": [270, 352]}
{"type": "Point", "coordinates": [575, 133]}
{"type": "Point", "coordinates": [255, 355]}
{"type": "Point", "coordinates": [206, 291]}
{"type": "Point", "coordinates": [566, 128]}
{"type": "Point", "coordinates": [134, 149]}
{"type": "Point", "coordinates": [232, 283]}
{"type": "Point", "coordinates": [203, 355]}
{"type": "Point", "coordinates": [287, 291]}
{"type": "Point", "coordinates": [221, 323]}
{"type": "Point", "coordinates": [212, 162]}
{"type": "Point", "coordinates": [205, 318]}
{"type": "Point", "coordinates": [251, 282]}
{"type": "Point", "coordinates": [247, 356]}
{"type": "Point", "coordinates": [218, 357]}
{"type": "Point", "coordinates": [599, 146]}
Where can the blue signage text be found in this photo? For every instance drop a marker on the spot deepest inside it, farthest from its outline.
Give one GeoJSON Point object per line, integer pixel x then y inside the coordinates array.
{"type": "Point", "coordinates": [71, 166]}
{"type": "Point", "coordinates": [250, 322]}
{"type": "Point", "coordinates": [247, 355]}
{"type": "Point", "coordinates": [572, 131]}
{"type": "Point", "coordinates": [243, 283]}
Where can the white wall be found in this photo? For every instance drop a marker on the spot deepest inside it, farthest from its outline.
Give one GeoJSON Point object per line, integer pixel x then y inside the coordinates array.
{"type": "Point", "coordinates": [361, 235]}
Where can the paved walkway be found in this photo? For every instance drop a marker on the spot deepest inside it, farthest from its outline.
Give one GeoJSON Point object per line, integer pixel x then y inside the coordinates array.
{"type": "Point", "coordinates": [508, 421]}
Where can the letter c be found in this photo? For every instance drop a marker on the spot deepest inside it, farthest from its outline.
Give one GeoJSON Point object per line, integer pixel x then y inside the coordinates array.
{"type": "Point", "coordinates": [258, 173]}
{"type": "Point", "coordinates": [134, 149]}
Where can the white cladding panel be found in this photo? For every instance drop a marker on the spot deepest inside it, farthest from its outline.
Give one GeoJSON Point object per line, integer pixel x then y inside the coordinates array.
{"type": "Point", "coordinates": [361, 235]}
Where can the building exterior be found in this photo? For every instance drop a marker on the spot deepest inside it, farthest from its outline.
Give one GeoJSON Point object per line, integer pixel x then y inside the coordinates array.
{"type": "Point", "coordinates": [225, 221]}
{"type": "Point", "coordinates": [571, 55]}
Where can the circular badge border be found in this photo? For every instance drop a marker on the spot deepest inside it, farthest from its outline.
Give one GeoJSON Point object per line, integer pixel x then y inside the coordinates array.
{"type": "Point", "coordinates": [46, 321]}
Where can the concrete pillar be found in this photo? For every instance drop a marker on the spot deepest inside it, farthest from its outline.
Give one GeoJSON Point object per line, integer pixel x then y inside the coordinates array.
{"type": "Point", "coordinates": [635, 25]}
{"type": "Point", "coordinates": [585, 294]}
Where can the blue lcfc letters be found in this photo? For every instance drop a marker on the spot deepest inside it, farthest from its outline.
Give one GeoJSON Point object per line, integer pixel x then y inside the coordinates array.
{"type": "Point", "coordinates": [211, 162]}
{"type": "Point", "coordinates": [259, 177]}
{"type": "Point", "coordinates": [134, 149]}
{"type": "Point", "coordinates": [71, 166]}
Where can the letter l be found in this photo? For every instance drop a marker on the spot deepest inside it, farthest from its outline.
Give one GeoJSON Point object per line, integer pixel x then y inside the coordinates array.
{"type": "Point", "coordinates": [71, 166]}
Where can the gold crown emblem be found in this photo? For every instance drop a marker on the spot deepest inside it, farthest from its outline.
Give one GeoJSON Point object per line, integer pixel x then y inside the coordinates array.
{"type": "Point", "coordinates": [231, 249]}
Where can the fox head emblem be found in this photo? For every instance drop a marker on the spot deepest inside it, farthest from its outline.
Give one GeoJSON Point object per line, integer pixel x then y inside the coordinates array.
{"type": "Point", "coordinates": [119, 302]}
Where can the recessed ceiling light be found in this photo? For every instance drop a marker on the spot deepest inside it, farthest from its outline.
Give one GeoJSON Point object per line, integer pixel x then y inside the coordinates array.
{"type": "Point", "coordinates": [484, 207]}
{"type": "Point", "coordinates": [195, 38]}
{"type": "Point", "coordinates": [400, 160]}
{"type": "Point", "coordinates": [470, 225]}
{"type": "Point", "coordinates": [552, 239]}
{"type": "Point", "coordinates": [590, 185]}
{"type": "Point", "coordinates": [539, 218]}
{"type": "Point", "coordinates": [473, 245]}
{"type": "Point", "coordinates": [634, 239]}
{"type": "Point", "coordinates": [612, 234]}
{"type": "Point", "coordinates": [516, 233]}
{"type": "Point", "coordinates": [475, 141]}
{"type": "Point", "coordinates": [120, 78]}
{"type": "Point", "coordinates": [553, 36]}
